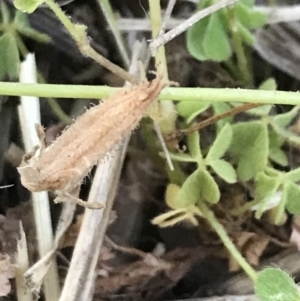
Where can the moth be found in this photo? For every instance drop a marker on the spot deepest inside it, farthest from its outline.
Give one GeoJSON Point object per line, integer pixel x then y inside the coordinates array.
{"type": "Point", "coordinates": [61, 166]}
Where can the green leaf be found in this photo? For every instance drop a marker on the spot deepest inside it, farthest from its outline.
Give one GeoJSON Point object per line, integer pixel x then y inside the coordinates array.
{"type": "Point", "coordinates": [219, 108]}
{"type": "Point", "coordinates": [224, 170]}
{"type": "Point", "coordinates": [199, 185]}
{"type": "Point", "coordinates": [193, 141]}
{"type": "Point", "coordinates": [293, 197]}
{"type": "Point", "coordinates": [249, 3]}
{"type": "Point", "coordinates": [250, 147]}
{"type": "Point", "coordinates": [280, 209]}
{"type": "Point", "coordinates": [265, 188]}
{"type": "Point", "coordinates": [275, 284]}
{"type": "Point", "coordinates": [28, 6]}
{"type": "Point", "coordinates": [191, 109]}
{"type": "Point", "coordinates": [268, 85]}
{"type": "Point", "coordinates": [195, 35]}
{"type": "Point", "coordinates": [9, 57]}
{"type": "Point", "coordinates": [249, 17]}
{"type": "Point", "coordinates": [293, 175]}
{"type": "Point", "coordinates": [171, 195]}
{"type": "Point", "coordinates": [209, 188]}
{"type": "Point", "coordinates": [283, 120]}
{"type": "Point", "coordinates": [216, 43]}
{"type": "Point", "coordinates": [278, 156]}
{"type": "Point", "coordinates": [221, 144]}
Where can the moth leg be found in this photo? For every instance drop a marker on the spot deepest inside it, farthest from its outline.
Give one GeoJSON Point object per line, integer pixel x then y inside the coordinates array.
{"type": "Point", "coordinates": [65, 196]}
{"type": "Point", "coordinates": [41, 135]}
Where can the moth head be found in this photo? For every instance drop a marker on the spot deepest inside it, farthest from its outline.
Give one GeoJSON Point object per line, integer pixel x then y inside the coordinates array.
{"type": "Point", "coordinates": [30, 178]}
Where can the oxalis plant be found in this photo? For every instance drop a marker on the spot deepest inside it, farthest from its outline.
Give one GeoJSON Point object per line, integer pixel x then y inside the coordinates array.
{"type": "Point", "coordinates": [241, 151]}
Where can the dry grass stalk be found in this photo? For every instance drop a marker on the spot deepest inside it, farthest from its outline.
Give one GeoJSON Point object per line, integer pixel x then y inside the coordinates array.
{"type": "Point", "coordinates": [62, 166]}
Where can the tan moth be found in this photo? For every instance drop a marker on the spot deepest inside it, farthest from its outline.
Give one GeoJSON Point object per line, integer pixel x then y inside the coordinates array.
{"type": "Point", "coordinates": [61, 166]}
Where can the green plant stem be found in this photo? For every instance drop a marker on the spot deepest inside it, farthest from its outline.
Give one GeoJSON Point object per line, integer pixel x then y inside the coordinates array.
{"type": "Point", "coordinates": [212, 95]}
{"type": "Point", "coordinates": [109, 15]}
{"type": "Point", "coordinates": [78, 32]}
{"type": "Point", "coordinates": [167, 108]}
{"type": "Point", "coordinates": [239, 49]}
{"type": "Point", "coordinates": [219, 229]}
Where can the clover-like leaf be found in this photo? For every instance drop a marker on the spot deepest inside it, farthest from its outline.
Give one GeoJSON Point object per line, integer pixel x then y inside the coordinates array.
{"type": "Point", "coordinates": [216, 43]}
{"type": "Point", "coordinates": [275, 284]}
{"type": "Point", "coordinates": [191, 109]}
{"type": "Point", "coordinates": [28, 6]}
{"type": "Point", "coordinates": [221, 144]}
{"type": "Point", "coordinates": [9, 57]}
{"type": "Point", "coordinates": [280, 209]}
{"type": "Point", "coordinates": [224, 170]}
{"type": "Point", "coordinates": [293, 197]}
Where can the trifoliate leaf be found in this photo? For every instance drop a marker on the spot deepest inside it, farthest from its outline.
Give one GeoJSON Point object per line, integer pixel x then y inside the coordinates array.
{"type": "Point", "coordinates": [293, 175]}
{"type": "Point", "coordinates": [265, 188]}
{"type": "Point", "coordinates": [224, 170]}
{"type": "Point", "coordinates": [193, 141]}
{"type": "Point", "coordinates": [293, 197]}
{"type": "Point", "coordinates": [221, 144]}
{"type": "Point", "coordinates": [216, 43]}
{"type": "Point", "coordinates": [9, 57]}
{"type": "Point", "coordinates": [275, 284]}
{"type": "Point", "coordinates": [191, 109]}
{"type": "Point", "coordinates": [28, 6]}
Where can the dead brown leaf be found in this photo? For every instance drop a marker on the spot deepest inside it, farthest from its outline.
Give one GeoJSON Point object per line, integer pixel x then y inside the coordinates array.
{"type": "Point", "coordinates": [7, 271]}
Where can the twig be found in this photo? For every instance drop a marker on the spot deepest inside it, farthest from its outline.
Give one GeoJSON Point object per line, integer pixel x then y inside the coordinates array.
{"type": "Point", "coordinates": [170, 35]}
{"type": "Point", "coordinates": [167, 16]}
{"type": "Point", "coordinates": [213, 119]}
{"type": "Point", "coordinates": [22, 263]}
{"type": "Point", "coordinates": [29, 115]}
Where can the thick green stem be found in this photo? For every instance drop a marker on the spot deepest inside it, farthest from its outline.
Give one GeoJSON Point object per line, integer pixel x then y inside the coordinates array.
{"type": "Point", "coordinates": [211, 95]}
{"type": "Point", "coordinates": [219, 229]}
